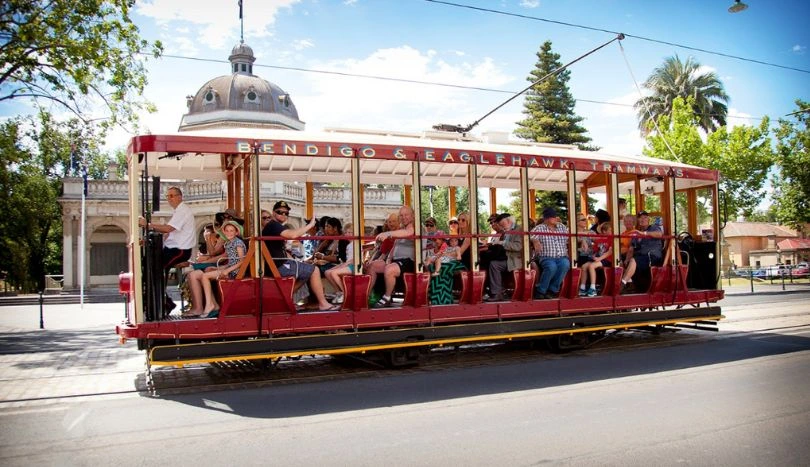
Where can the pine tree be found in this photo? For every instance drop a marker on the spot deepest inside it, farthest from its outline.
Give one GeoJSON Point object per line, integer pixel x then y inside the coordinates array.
{"type": "Point", "coordinates": [549, 106]}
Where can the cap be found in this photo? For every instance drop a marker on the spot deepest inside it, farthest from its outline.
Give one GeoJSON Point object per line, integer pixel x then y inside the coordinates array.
{"type": "Point", "coordinates": [220, 216]}
{"type": "Point", "coordinates": [549, 213]}
{"type": "Point", "coordinates": [644, 213]}
{"type": "Point", "coordinates": [438, 235]}
{"type": "Point", "coordinates": [235, 224]}
{"type": "Point", "coordinates": [430, 220]}
{"type": "Point", "coordinates": [502, 216]}
{"type": "Point", "coordinates": [453, 220]}
{"type": "Point", "coordinates": [492, 218]}
{"type": "Point", "coordinates": [281, 204]}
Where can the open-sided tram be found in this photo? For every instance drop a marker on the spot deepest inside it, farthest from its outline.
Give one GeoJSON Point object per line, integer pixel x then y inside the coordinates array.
{"type": "Point", "coordinates": [260, 319]}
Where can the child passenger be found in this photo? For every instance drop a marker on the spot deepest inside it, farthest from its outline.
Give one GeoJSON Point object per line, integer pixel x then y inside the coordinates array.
{"type": "Point", "coordinates": [335, 275]}
{"type": "Point", "coordinates": [200, 281]}
{"type": "Point", "coordinates": [602, 252]}
{"type": "Point", "coordinates": [444, 253]}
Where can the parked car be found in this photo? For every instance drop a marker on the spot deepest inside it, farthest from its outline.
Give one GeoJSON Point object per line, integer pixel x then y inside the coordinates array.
{"type": "Point", "coordinates": [776, 271]}
{"type": "Point", "coordinates": [800, 270]}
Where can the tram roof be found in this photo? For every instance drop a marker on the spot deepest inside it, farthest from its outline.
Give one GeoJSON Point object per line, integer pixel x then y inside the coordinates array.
{"type": "Point", "coordinates": [386, 157]}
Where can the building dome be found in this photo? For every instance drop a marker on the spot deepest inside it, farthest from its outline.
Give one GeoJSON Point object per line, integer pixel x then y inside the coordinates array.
{"type": "Point", "coordinates": [240, 99]}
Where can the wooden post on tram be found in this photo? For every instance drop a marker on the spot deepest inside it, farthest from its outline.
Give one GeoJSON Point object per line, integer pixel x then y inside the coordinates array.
{"type": "Point", "coordinates": [612, 190]}
{"type": "Point", "coordinates": [668, 215]}
{"type": "Point", "coordinates": [360, 221]}
{"type": "Point", "coordinates": [572, 215]}
{"type": "Point", "coordinates": [235, 198]}
{"type": "Point", "coordinates": [717, 234]}
{"type": "Point", "coordinates": [247, 199]}
{"type": "Point", "coordinates": [493, 200]}
{"type": "Point", "coordinates": [639, 196]}
{"type": "Point", "coordinates": [583, 199]}
{"type": "Point", "coordinates": [532, 208]}
{"type": "Point", "coordinates": [452, 201]}
{"type": "Point", "coordinates": [525, 210]}
{"type": "Point", "coordinates": [310, 196]}
{"type": "Point", "coordinates": [416, 205]}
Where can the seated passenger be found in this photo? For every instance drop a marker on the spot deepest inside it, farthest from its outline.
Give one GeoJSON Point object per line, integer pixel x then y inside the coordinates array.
{"type": "Point", "coordinates": [200, 280]}
{"type": "Point", "coordinates": [584, 240]}
{"type": "Point", "coordinates": [335, 274]}
{"type": "Point", "coordinates": [628, 230]}
{"type": "Point", "coordinates": [646, 249]}
{"type": "Point", "coordinates": [602, 252]}
{"type": "Point", "coordinates": [602, 216]}
{"type": "Point", "coordinates": [332, 252]}
{"type": "Point", "coordinates": [429, 232]}
{"type": "Point", "coordinates": [513, 250]}
{"type": "Point", "coordinates": [553, 258]}
{"type": "Point", "coordinates": [287, 267]}
{"type": "Point", "coordinates": [400, 260]}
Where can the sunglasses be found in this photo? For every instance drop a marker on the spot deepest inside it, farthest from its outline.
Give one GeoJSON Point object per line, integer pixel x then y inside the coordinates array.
{"type": "Point", "coordinates": [266, 218]}
{"type": "Point", "coordinates": [282, 213]}
{"type": "Point", "coordinates": [454, 222]}
{"type": "Point", "coordinates": [430, 225]}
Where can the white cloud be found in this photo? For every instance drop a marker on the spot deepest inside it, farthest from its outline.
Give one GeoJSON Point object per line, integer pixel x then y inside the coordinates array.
{"type": "Point", "coordinates": [798, 49]}
{"type": "Point", "coordinates": [628, 143]}
{"type": "Point", "coordinates": [349, 2]}
{"type": "Point", "coordinates": [623, 107]}
{"type": "Point", "coordinates": [179, 45]}
{"type": "Point", "coordinates": [530, 3]}
{"type": "Point", "coordinates": [301, 44]}
{"type": "Point", "coordinates": [216, 22]}
{"type": "Point", "coordinates": [381, 104]}
{"type": "Point", "coordinates": [737, 118]}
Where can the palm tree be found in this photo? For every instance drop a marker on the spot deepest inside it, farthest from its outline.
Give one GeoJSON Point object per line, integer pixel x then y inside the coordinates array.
{"type": "Point", "coordinates": [676, 78]}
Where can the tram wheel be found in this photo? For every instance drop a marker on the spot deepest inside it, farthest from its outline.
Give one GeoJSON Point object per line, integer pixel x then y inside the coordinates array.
{"type": "Point", "coordinates": [402, 358]}
{"type": "Point", "coordinates": [568, 342]}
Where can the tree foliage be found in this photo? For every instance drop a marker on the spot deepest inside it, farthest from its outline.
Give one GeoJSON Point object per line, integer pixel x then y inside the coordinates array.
{"type": "Point", "coordinates": [743, 154]}
{"type": "Point", "coordinates": [549, 106]}
{"type": "Point", "coordinates": [75, 53]}
{"type": "Point", "coordinates": [685, 80]}
{"type": "Point", "coordinates": [792, 179]}
{"type": "Point", "coordinates": [36, 154]}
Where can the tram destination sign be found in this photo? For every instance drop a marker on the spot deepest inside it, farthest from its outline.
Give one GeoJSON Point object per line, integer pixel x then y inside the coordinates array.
{"type": "Point", "coordinates": [577, 161]}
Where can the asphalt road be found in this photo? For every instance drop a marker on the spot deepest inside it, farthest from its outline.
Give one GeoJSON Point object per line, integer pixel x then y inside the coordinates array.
{"type": "Point", "coordinates": [738, 397]}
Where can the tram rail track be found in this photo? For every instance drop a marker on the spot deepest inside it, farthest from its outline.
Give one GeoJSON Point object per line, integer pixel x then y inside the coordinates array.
{"type": "Point", "coordinates": [171, 381]}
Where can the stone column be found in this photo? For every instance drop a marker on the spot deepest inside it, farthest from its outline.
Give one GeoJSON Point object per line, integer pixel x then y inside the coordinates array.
{"type": "Point", "coordinates": [67, 251]}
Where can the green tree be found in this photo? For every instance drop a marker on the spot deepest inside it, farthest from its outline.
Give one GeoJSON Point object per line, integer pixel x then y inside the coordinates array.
{"type": "Point", "coordinates": [549, 106]}
{"type": "Point", "coordinates": [743, 154]}
{"type": "Point", "coordinates": [74, 53]}
{"type": "Point", "coordinates": [35, 153]}
{"type": "Point", "coordinates": [683, 79]}
{"type": "Point", "coordinates": [792, 178]}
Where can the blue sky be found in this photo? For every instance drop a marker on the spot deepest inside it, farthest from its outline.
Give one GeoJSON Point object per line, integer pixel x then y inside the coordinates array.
{"type": "Point", "coordinates": [426, 41]}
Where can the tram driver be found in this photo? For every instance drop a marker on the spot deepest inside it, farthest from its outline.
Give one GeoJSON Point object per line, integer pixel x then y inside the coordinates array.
{"type": "Point", "coordinates": [179, 237]}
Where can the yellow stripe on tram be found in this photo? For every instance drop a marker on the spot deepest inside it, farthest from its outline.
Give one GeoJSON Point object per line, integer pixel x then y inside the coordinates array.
{"type": "Point", "coordinates": [422, 343]}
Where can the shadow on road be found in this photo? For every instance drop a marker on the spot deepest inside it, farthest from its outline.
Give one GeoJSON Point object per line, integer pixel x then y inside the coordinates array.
{"type": "Point", "coordinates": [387, 388]}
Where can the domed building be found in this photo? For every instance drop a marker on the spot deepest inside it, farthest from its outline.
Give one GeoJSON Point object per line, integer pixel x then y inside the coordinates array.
{"type": "Point", "coordinates": [240, 100]}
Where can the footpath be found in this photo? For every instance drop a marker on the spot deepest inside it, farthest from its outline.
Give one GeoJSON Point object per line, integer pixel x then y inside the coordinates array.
{"type": "Point", "coordinates": [77, 353]}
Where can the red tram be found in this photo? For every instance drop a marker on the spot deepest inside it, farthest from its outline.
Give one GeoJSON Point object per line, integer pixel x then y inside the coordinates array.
{"type": "Point", "coordinates": [259, 318]}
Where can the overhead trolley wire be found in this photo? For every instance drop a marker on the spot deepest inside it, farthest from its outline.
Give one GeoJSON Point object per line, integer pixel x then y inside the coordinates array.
{"type": "Point", "coordinates": [399, 80]}
{"type": "Point", "coordinates": [591, 28]}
